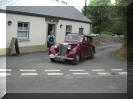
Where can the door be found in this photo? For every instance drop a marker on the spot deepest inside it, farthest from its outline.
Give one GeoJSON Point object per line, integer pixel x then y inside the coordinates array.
{"type": "Point", "coordinates": [84, 47]}
{"type": "Point", "coordinates": [51, 28]}
{"type": "Point", "coordinates": [89, 45]}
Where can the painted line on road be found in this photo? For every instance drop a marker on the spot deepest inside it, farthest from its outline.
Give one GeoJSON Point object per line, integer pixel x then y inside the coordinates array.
{"type": "Point", "coordinates": [25, 70]}
{"type": "Point", "coordinates": [103, 73]}
{"type": "Point", "coordinates": [51, 74]}
{"type": "Point", "coordinates": [80, 73]}
{"type": "Point", "coordinates": [29, 74]}
{"type": "Point", "coordinates": [4, 74]}
{"type": "Point", "coordinates": [116, 69]}
{"type": "Point", "coordinates": [122, 73]}
{"type": "Point", "coordinates": [76, 70]}
{"type": "Point", "coordinates": [3, 70]}
{"type": "Point", "coordinates": [131, 69]}
{"type": "Point", "coordinates": [97, 70]}
{"type": "Point", "coordinates": [51, 70]}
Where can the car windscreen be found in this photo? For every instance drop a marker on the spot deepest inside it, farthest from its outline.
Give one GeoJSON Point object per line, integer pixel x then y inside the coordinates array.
{"type": "Point", "coordinates": [73, 38]}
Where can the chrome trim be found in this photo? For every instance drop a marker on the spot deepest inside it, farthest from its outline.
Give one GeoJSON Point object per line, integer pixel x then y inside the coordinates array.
{"type": "Point", "coordinates": [62, 49]}
{"type": "Point", "coordinates": [61, 58]}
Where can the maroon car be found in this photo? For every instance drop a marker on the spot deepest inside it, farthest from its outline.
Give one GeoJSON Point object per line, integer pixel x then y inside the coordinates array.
{"type": "Point", "coordinates": [74, 48]}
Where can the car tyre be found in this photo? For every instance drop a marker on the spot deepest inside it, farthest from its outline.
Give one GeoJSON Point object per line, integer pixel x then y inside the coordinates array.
{"type": "Point", "coordinates": [92, 54]}
{"type": "Point", "coordinates": [52, 60]}
{"type": "Point", "coordinates": [77, 59]}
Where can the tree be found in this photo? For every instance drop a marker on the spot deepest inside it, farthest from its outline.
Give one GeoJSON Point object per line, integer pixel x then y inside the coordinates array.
{"type": "Point", "coordinates": [99, 14]}
{"type": "Point", "coordinates": [122, 2]}
{"type": "Point", "coordinates": [107, 17]}
{"type": "Point", "coordinates": [62, 1]}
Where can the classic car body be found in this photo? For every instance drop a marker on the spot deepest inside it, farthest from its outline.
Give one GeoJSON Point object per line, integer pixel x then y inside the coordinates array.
{"type": "Point", "coordinates": [74, 48]}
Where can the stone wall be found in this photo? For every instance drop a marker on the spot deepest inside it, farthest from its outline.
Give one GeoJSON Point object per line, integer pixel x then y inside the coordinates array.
{"type": "Point", "coordinates": [98, 40]}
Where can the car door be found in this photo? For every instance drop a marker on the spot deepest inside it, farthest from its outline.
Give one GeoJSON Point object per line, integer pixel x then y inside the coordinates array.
{"type": "Point", "coordinates": [89, 47]}
{"type": "Point", "coordinates": [84, 47]}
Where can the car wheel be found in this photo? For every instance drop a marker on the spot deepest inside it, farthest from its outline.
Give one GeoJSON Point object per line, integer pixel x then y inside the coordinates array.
{"type": "Point", "coordinates": [77, 58]}
{"type": "Point", "coordinates": [52, 60]}
{"type": "Point", "coordinates": [92, 54]}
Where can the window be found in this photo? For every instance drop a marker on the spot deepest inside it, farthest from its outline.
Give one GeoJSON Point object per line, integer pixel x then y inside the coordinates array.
{"type": "Point", "coordinates": [89, 39]}
{"type": "Point", "coordinates": [85, 39]}
{"type": "Point", "coordinates": [23, 30]}
{"type": "Point", "coordinates": [68, 29]}
{"type": "Point", "coordinates": [81, 30]}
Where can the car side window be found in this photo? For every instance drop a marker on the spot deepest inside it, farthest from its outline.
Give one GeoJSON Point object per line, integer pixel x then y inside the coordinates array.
{"type": "Point", "coordinates": [89, 39]}
{"type": "Point", "coordinates": [85, 39]}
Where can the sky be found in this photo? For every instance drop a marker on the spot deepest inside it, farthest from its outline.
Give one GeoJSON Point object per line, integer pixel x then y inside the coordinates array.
{"type": "Point", "coordinates": [77, 3]}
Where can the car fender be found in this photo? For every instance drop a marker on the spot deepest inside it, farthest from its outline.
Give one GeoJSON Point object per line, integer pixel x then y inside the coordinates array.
{"type": "Point", "coordinates": [75, 50]}
{"type": "Point", "coordinates": [52, 50]}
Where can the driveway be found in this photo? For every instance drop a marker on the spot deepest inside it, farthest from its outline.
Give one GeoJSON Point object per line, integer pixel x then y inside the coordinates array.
{"type": "Point", "coordinates": [34, 73]}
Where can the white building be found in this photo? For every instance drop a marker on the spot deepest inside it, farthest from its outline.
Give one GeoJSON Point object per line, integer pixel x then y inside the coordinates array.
{"type": "Point", "coordinates": [31, 25]}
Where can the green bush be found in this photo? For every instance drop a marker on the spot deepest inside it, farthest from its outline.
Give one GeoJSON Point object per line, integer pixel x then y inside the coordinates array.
{"type": "Point", "coordinates": [104, 32]}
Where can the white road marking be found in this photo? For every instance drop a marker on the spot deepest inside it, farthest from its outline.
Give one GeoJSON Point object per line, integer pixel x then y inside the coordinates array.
{"type": "Point", "coordinates": [103, 73]}
{"type": "Point", "coordinates": [80, 73]}
{"type": "Point", "coordinates": [51, 70]}
{"type": "Point", "coordinates": [76, 70]}
{"type": "Point", "coordinates": [131, 69]}
{"type": "Point", "coordinates": [24, 70]}
{"type": "Point", "coordinates": [97, 70]}
{"type": "Point", "coordinates": [29, 74]}
{"type": "Point", "coordinates": [122, 73]}
{"type": "Point", "coordinates": [3, 70]}
{"type": "Point", "coordinates": [4, 74]}
{"type": "Point", "coordinates": [116, 69]}
{"type": "Point", "coordinates": [50, 74]}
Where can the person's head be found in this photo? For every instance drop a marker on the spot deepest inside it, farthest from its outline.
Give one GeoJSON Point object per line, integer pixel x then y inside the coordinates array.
{"type": "Point", "coordinates": [51, 33]}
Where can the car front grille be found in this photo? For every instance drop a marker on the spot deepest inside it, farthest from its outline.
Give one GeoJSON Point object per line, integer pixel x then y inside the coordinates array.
{"type": "Point", "coordinates": [62, 50]}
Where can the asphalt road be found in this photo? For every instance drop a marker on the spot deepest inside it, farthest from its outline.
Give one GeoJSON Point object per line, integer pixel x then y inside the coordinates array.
{"type": "Point", "coordinates": [34, 73]}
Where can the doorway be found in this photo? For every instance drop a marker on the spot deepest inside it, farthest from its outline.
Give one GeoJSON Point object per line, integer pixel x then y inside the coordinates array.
{"type": "Point", "coordinates": [51, 28]}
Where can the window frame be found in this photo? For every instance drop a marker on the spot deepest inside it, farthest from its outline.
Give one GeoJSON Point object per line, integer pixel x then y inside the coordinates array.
{"type": "Point", "coordinates": [68, 31]}
{"type": "Point", "coordinates": [82, 31]}
{"type": "Point", "coordinates": [23, 30]}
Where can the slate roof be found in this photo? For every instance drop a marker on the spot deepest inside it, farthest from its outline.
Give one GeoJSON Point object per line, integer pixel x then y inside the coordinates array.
{"type": "Point", "coordinates": [61, 12]}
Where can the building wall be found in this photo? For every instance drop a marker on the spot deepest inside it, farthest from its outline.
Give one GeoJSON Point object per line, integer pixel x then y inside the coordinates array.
{"type": "Point", "coordinates": [2, 33]}
{"type": "Point", "coordinates": [38, 31]}
{"type": "Point", "coordinates": [60, 35]}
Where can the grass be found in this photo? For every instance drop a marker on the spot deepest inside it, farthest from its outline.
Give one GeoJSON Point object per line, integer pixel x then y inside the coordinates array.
{"type": "Point", "coordinates": [122, 52]}
{"type": "Point", "coordinates": [126, 51]}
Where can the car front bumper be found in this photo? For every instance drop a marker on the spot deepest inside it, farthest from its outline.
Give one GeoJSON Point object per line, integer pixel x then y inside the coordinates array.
{"type": "Point", "coordinates": [60, 58]}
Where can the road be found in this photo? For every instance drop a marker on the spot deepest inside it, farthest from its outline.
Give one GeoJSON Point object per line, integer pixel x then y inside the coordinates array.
{"type": "Point", "coordinates": [34, 73]}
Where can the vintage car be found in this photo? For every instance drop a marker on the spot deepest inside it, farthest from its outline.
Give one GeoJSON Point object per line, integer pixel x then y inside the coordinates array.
{"type": "Point", "coordinates": [74, 48]}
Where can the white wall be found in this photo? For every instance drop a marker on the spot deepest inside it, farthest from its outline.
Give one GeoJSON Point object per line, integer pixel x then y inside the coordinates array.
{"type": "Point", "coordinates": [37, 32]}
{"type": "Point", "coordinates": [2, 30]}
{"type": "Point", "coordinates": [60, 35]}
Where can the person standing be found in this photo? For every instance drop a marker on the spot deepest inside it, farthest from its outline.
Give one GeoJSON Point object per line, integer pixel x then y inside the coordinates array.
{"type": "Point", "coordinates": [51, 39]}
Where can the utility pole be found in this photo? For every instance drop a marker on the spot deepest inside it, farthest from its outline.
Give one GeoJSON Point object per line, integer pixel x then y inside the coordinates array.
{"type": "Point", "coordinates": [85, 7]}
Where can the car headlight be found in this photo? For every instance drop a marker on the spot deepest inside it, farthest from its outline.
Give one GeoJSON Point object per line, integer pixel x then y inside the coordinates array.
{"type": "Point", "coordinates": [69, 47]}
{"type": "Point", "coordinates": [56, 46]}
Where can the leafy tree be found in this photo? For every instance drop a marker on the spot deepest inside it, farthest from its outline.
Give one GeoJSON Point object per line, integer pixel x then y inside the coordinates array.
{"type": "Point", "coordinates": [62, 1]}
{"type": "Point", "coordinates": [107, 17]}
{"type": "Point", "coordinates": [99, 13]}
{"type": "Point", "coordinates": [122, 2]}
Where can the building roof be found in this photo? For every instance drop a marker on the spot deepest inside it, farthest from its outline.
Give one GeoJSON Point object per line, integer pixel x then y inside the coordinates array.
{"type": "Point", "coordinates": [61, 12]}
